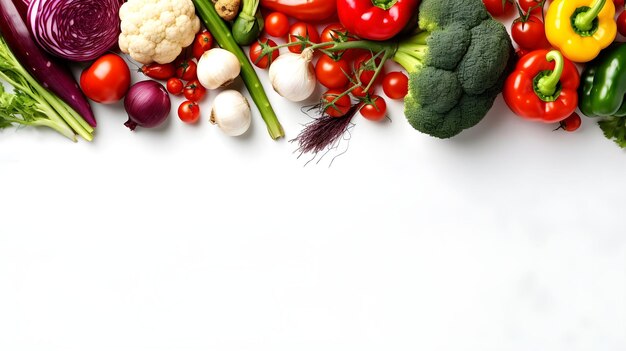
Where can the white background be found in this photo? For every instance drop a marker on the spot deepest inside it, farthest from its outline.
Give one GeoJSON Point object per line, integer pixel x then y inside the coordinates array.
{"type": "Point", "coordinates": [508, 237]}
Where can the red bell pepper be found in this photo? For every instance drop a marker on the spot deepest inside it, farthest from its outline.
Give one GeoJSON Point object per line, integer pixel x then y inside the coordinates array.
{"type": "Point", "coordinates": [303, 10]}
{"type": "Point", "coordinates": [543, 87]}
{"type": "Point", "coordinates": [376, 19]}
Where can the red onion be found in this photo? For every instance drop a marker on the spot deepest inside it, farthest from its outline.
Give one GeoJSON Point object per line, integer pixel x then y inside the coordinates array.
{"type": "Point", "coordinates": [77, 30]}
{"type": "Point", "coordinates": [147, 104]}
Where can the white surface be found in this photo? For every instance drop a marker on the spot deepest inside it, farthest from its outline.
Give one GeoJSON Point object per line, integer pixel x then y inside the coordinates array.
{"type": "Point", "coordinates": [508, 237]}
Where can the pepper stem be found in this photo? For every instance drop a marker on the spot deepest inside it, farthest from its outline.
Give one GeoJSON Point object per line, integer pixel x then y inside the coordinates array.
{"type": "Point", "coordinates": [584, 20]}
{"type": "Point", "coordinates": [547, 85]}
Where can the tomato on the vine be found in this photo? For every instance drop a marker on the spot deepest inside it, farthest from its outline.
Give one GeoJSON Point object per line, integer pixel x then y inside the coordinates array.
{"type": "Point", "coordinates": [194, 91]}
{"type": "Point", "coordinates": [496, 7]}
{"type": "Point", "coordinates": [332, 32]}
{"type": "Point", "coordinates": [256, 50]}
{"type": "Point", "coordinates": [302, 30]}
{"type": "Point", "coordinates": [185, 69]}
{"type": "Point", "coordinates": [375, 109]}
{"type": "Point", "coordinates": [532, 4]}
{"type": "Point", "coordinates": [621, 23]}
{"type": "Point", "coordinates": [396, 85]}
{"type": "Point", "coordinates": [277, 24]}
{"type": "Point", "coordinates": [107, 80]}
{"type": "Point", "coordinates": [530, 34]}
{"type": "Point", "coordinates": [359, 92]}
{"type": "Point", "coordinates": [332, 74]}
{"type": "Point", "coordinates": [202, 44]}
{"type": "Point", "coordinates": [366, 69]}
{"type": "Point", "coordinates": [340, 107]}
{"type": "Point", "coordinates": [189, 112]}
{"type": "Point", "coordinates": [175, 86]}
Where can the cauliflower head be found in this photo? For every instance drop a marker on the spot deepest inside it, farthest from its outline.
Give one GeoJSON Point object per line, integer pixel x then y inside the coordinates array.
{"type": "Point", "coordinates": [157, 30]}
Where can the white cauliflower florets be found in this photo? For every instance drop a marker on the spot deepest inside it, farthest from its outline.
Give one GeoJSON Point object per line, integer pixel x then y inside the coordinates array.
{"type": "Point", "coordinates": [157, 30]}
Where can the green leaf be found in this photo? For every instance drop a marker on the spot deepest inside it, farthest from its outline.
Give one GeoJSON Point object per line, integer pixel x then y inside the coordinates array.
{"type": "Point", "coordinates": [614, 128]}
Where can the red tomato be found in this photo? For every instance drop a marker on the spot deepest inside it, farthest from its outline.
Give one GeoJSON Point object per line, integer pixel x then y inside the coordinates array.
{"type": "Point", "coordinates": [375, 110]}
{"type": "Point", "coordinates": [175, 86]}
{"type": "Point", "coordinates": [529, 4]}
{"type": "Point", "coordinates": [302, 30]}
{"type": "Point", "coordinates": [367, 73]}
{"type": "Point", "coordinates": [277, 24]}
{"type": "Point", "coordinates": [621, 23]}
{"type": "Point", "coordinates": [202, 44]}
{"type": "Point", "coordinates": [332, 33]}
{"type": "Point", "coordinates": [359, 92]}
{"type": "Point", "coordinates": [185, 69]}
{"type": "Point", "coordinates": [189, 112]}
{"type": "Point", "coordinates": [396, 85]}
{"type": "Point", "coordinates": [340, 107]}
{"type": "Point", "coordinates": [107, 80]}
{"type": "Point", "coordinates": [194, 91]}
{"type": "Point", "coordinates": [159, 71]}
{"type": "Point", "coordinates": [332, 74]}
{"type": "Point", "coordinates": [571, 123]}
{"type": "Point", "coordinates": [495, 7]}
{"type": "Point", "coordinates": [529, 35]}
{"type": "Point", "coordinates": [255, 53]}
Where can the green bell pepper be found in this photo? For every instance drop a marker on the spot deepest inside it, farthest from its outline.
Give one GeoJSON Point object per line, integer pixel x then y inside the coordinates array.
{"type": "Point", "coordinates": [603, 90]}
{"type": "Point", "coordinates": [603, 84]}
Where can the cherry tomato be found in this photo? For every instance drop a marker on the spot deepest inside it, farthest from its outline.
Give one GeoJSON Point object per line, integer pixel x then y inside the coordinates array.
{"type": "Point", "coordinates": [366, 74]}
{"type": "Point", "coordinates": [571, 123]}
{"type": "Point", "coordinates": [621, 23]}
{"type": "Point", "coordinates": [530, 34]}
{"type": "Point", "coordinates": [107, 80]}
{"type": "Point", "coordinates": [529, 4]}
{"type": "Point", "coordinates": [175, 86]}
{"type": "Point", "coordinates": [277, 24]}
{"type": "Point", "coordinates": [340, 107]}
{"type": "Point", "coordinates": [375, 110]}
{"type": "Point", "coordinates": [332, 74]}
{"type": "Point", "coordinates": [396, 85]}
{"type": "Point", "coordinates": [496, 9]}
{"type": "Point", "coordinates": [202, 44]}
{"type": "Point", "coordinates": [194, 91]}
{"type": "Point", "coordinates": [159, 71]}
{"type": "Point", "coordinates": [332, 32]}
{"type": "Point", "coordinates": [186, 69]}
{"type": "Point", "coordinates": [255, 53]}
{"type": "Point", "coordinates": [304, 30]}
{"type": "Point", "coordinates": [189, 112]}
{"type": "Point", "coordinates": [359, 92]}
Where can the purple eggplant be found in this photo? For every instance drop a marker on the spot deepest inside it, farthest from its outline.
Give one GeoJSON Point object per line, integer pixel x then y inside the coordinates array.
{"type": "Point", "coordinates": [52, 74]}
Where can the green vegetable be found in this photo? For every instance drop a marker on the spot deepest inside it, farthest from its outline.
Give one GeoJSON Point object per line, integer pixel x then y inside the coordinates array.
{"type": "Point", "coordinates": [249, 23]}
{"type": "Point", "coordinates": [30, 103]}
{"type": "Point", "coordinates": [224, 38]}
{"type": "Point", "coordinates": [457, 66]}
{"type": "Point", "coordinates": [602, 91]}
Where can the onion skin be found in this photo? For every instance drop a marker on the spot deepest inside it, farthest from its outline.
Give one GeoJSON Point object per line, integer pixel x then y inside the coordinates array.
{"type": "Point", "coordinates": [76, 30]}
{"type": "Point", "coordinates": [53, 75]}
{"type": "Point", "coordinates": [147, 104]}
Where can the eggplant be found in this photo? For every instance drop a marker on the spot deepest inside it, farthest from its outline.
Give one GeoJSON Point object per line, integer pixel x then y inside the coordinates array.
{"type": "Point", "coordinates": [52, 74]}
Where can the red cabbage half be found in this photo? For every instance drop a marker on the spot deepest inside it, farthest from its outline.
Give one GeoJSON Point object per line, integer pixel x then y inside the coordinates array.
{"type": "Point", "coordinates": [77, 30]}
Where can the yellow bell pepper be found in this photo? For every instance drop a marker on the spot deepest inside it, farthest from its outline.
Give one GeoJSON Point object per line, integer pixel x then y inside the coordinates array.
{"type": "Point", "coordinates": [580, 29]}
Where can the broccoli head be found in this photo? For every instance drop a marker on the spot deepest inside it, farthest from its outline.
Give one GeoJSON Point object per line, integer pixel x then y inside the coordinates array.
{"type": "Point", "coordinates": [457, 66]}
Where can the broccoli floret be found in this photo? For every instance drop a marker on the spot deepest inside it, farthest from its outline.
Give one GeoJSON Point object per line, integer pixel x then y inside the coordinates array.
{"type": "Point", "coordinates": [457, 66]}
